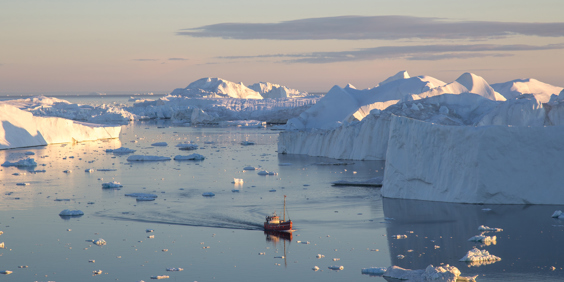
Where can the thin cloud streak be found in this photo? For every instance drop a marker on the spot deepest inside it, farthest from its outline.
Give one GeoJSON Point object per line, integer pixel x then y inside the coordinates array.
{"type": "Point", "coordinates": [177, 59]}
{"type": "Point", "coordinates": [374, 27]}
{"type": "Point", "coordinates": [146, 60]}
{"type": "Point", "coordinates": [416, 52]}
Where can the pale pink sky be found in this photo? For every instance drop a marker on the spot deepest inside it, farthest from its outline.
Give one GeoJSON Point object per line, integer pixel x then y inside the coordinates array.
{"type": "Point", "coordinates": [105, 46]}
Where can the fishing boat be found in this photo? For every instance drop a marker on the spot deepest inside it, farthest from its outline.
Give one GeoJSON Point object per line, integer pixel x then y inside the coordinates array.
{"type": "Point", "coordinates": [273, 222]}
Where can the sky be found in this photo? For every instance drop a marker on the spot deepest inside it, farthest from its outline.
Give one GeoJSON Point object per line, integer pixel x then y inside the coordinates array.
{"type": "Point", "coordinates": [156, 46]}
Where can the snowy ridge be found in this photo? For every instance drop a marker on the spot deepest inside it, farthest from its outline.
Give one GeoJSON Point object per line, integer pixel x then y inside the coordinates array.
{"type": "Point", "coordinates": [514, 88]}
{"type": "Point", "coordinates": [19, 128]}
{"type": "Point", "coordinates": [212, 87]}
{"type": "Point", "coordinates": [271, 90]}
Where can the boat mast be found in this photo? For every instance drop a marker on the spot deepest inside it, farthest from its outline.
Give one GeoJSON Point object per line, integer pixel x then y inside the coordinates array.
{"type": "Point", "coordinates": [284, 209]}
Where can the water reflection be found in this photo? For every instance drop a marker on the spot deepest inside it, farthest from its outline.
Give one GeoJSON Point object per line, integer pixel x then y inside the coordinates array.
{"type": "Point", "coordinates": [274, 237]}
{"type": "Point", "coordinates": [438, 233]}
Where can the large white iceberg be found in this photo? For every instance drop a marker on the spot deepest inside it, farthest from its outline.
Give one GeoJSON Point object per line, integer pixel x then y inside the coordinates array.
{"type": "Point", "coordinates": [514, 88]}
{"type": "Point", "coordinates": [212, 87]}
{"type": "Point", "coordinates": [271, 90]}
{"type": "Point", "coordinates": [19, 128]}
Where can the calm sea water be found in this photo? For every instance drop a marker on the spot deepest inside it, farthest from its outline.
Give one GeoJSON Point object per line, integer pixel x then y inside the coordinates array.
{"type": "Point", "coordinates": [220, 238]}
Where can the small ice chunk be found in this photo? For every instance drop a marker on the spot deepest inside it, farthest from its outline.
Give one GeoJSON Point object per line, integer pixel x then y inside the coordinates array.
{"type": "Point", "coordinates": [235, 190]}
{"type": "Point", "coordinates": [151, 236]}
{"type": "Point", "coordinates": [399, 236]}
{"type": "Point", "coordinates": [97, 272]}
{"type": "Point", "coordinates": [149, 230]}
{"type": "Point", "coordinates": [476, 255]}
{"type": "Point", "coordinates": [137, 195]}
{"type": "Point", "coordinates": [237, 180]}
{"type": "Point", "coordinates": [262, 254]}
{"type": "Point", "coordinates": [250, 168]}
{"type": "Point", "coordinates": [400, 256]}
{"type": "Point", "coordinates": [486, 228]}
{"type": "Point", "coordinates": [89, 170]}
{"type": "Point", "coordinates": [374, 270]}
{"type": "Point", "coordinates": [557, 213]}
{"type": "Point", "coordinates": [247, 143]}
{"type": "Point", "coordinates": [146, 158]}
{"type": "Point", "coordinates": [99, 242]}
{"type": "Point", "coordinates": [192, 157]}
{"type": "Point", "coordinates": [160, 277]}
{"type": "Point", "coordinates": [162, 144]}
{"type": "Point", "coordinates": [23, 183]}
{"type": "Point", "coordinates": [92, 261]}
{"type": "Point", "coordinates": [175, 269]}
{"type": "Point", "coordinates": [280, 257]}
{"type": "Point", "coordinates": [121, 150]}
{"type": "Point", "coordinates": [67, 171]}
{"type": "Point", "coordinates": [315, 268]}
{"type": "Point", "coordinates": [2, 245]}
{"type": "Point", "coordinates": [187, 146]}
{"type": "Point", "coordinates": [107, 169]}
{"type": "Point", "coordinates": [444, 110]}
{"type": "Point", "coordinates": [264, 172]}
{"type": "Point", "coordinates": [21, 163]}
{"type": "Point", "coordinates": [336, 267]}
{"type": "Point", "coordinates": [23, 266]}
{"type": "Point", "coordinates": [112, 184]}
{"type": "Point", "coordinates": [319, 256]}
{"type": "Point", "coordinates": [483, 239]}
{"type": "Point", "coordinates": [68, 212]}
{"type": "Point", "coordinates": [336, 259]}
{"type": "Point", "coordinates": [29, 153]}
{"type": "Point", "coordinates": [208, 194]}
{"type": "Point", "coordinates": [6, 272]}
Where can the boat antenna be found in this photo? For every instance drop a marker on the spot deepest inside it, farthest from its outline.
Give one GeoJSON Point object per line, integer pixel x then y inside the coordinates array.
{"type": "Point", "coordinates": [284, 219]}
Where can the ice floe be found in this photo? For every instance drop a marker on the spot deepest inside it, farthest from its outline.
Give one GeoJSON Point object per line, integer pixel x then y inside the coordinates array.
{"type": "Point", "coordinates": [28, 162]}
{"type": "Point", "coordinates": [336, 267]}
{"type": "Point", "coordinates": [208, 194]}
{"type": "Point", "coordinates": [191, 157]}
{"type": "Point", "coordinates": [113, 184]}
{"type": "Point", "coordinates": [264, 172]}
{"type": "Point", "coordinates": [161, 144]}
{"type": "Point", "coordinates": [376, 271]}
{"type": "Point", "coordinates": [121, 150]}
{"type": "Point", "coordinates": [146, 158]}
{"type": "Point", "coordinates": [250, 168]}
{"type": "Point", "coordinates": [479, 256]}
{"type": "Point", "coordinates": [187, 146]}
{"type": "Point", "coordinates": [99, 242]}
{"type": "Point", "coordinates": [160, 277]}
{"type": "Point", "coordinates": [68, 212]}
{"type": "Point", "coordinates": [431, 273]}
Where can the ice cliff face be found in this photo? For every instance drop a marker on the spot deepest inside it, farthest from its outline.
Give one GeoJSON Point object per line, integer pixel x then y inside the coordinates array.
{"type": "Point", "coordinates": [19, 128]}
{"type": "Point", "coordinates": [217, 88]}
{"type": "Point", "coordinates": [468, 146]}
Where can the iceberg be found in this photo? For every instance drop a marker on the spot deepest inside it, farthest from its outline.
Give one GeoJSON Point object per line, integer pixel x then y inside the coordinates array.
{"type": "Point", "coordinates": [477, 255]}
{"type": "Point", "coordinates": [515, 88]}
{"type": "Point", "coordinates": [19, 128]}
{"type": "Point", "coordinates": [112, 184]}
{"type": "Point", "coordinates": [211, 87]}
{"type": "Point", "coordinates": [187, 146]}
{"type": "Point", "coordinates": [431, 273]}
{"type": "Point", "coordinates": [28, 162]}
{"type": "Point", "coordinates": [270, 90]}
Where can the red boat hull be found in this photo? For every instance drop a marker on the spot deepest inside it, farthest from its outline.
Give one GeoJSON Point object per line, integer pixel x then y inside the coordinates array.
{"type": "Point", "coordinates": [284, 226]}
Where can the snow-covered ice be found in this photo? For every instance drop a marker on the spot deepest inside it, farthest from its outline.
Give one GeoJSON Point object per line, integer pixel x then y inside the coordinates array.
{"type": "Point", "coordinates": [487, 240]}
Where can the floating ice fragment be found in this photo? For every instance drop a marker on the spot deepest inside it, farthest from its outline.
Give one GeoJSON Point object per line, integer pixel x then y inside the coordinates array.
{"type": "Point", "coordinates": [399, 236]}
{"type": "Point", "coordinates": [319, 256]}
{"type": "Point", "coordinates": [67, 171]}
{"type": "Point", "coordinates": [6, 272]}
{"type": "Point", "coordinates": [159, 144]}
{"type": "Point", "coordinates": [165, 250]}
{"type": "Point", "coordinates": [235, 190]}
{"type": "Point", "coordinates": [23, 266]}
{"type": "Point", "coordinates": [175, 269]}
{"type": "Point", "coordinates": [112, 184]}
{"type": "Point", "coordinates": [262, 254]}
{"type": "Point", "coordinates": [23, 183]}
{"type": "Point", "coordinates": [144, 195]}
{"type": "Point", "coordinates": [2, 245]}
{"type": "Point", "coordinates": [92, 261]}
{"type": "Point", "coordinates": [264, 172]}
{"type": "Point", "coordinates": [187, 146]}
{"type": "Point", "coordinates": [280, 257]}
{"type": "Point", "coordinates": [37, 171]}
{"type": "Point", "coordinates": [336, 267]}
{"type": "Point", "coordinates": [315, 268]}
{"type": "Point", "coordinates": [89, 170]}
{"type": "Point", "coordinates": [160, 277]}
{"type": "Point", "coordinates": [68, 212]}
{"type": "Point", "coordinates": [146, 158]}
{"type": "Point", "coordinates": [21, 163]}
{"type": "Point", "coordinates": [250, 168]}
{"type": "Point", "coordinates": [272, 190]}
{"type": "Point", "coordinates": [400, 256]}
{"type": "Point", "coordinates": [192, 157]}
{"type": "Point", "coordinates": [483, 239]}
{"type": "Point", "coordinates": [121, 150]}
{"type": "Point", "coordinates": [373, 270]}
{"type": "Point", "coordinates": [336, 259]}
{"type": "Point", "coordinates": [149, 230]}
{"type": "Point", "coordinates": [237, 180]}
{"type": "Point", "coordinates": [557, 213]}
{"type": "Point", "coordinates": [97, 272]}
{"type": "Point", "coordinates": [486, 228]}
{"type": "Point", "coordinates": [99, 242]}
{"type": "Point", "coordinates": [208, 194]}
{"type": "Point", "coordinates": [247, 143]}
{"type": "Point", "coordinates": [151, 236]}
{"type": "Point", "coordinates": [476, 255]}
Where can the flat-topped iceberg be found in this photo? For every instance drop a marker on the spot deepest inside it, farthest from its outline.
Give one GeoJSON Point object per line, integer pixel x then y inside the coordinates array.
{"type": "Point", "coordinates": [19, 128]}
{"type": "Point", "coordinates": [271, 90]}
